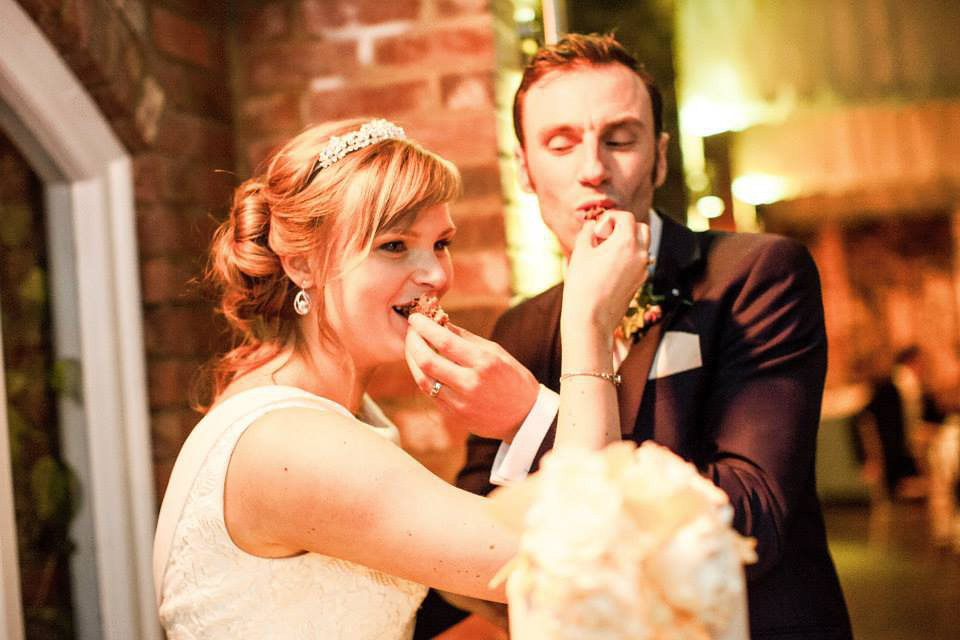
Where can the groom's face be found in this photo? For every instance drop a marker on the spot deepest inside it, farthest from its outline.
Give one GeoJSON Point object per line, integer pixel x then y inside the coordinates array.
{"type": "Point", "coordinates": [589, 141]}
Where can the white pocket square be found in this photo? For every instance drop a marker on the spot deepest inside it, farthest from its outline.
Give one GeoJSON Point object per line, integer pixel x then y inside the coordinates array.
{"type": "Point", "coordinates": [678, 351]}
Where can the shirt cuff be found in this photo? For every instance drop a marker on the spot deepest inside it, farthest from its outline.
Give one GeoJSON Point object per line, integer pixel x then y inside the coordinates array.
{"type": "Point", "coordinates": [513, 460]}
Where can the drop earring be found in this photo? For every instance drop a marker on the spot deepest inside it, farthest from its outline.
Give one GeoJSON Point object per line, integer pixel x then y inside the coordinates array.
{"type": "Point", "coordinates": [301, 302]}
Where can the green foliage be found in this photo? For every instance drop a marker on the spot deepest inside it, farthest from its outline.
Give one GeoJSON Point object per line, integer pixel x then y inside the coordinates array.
{"type": "Point", "coordinates": [65, 378]}
{"type": "Point", "coordinates": [53, 486]}
{"type": "Point", "coordinates": [15, 229]}
{"type": "Point", "coordinates": [33, 288]}
{"type": "Point", "coordinates": [46, 491]}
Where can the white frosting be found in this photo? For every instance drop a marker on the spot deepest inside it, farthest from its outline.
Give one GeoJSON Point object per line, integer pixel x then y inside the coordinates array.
{"type": "Point", "coordinates": [627, 543]}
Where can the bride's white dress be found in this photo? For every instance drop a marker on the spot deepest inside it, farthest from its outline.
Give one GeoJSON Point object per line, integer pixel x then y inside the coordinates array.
{"type": "Point", "coordinates": [211, 589]}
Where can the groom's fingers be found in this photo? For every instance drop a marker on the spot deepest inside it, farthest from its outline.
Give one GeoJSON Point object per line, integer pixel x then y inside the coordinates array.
{"type": "Point", "coordinates": [425, 361]}
{"type": "Point", "coordinates": [447, 341]}
{"type": "Point", "coordinates": [419, 377]}
{"type": "Point", "coordinates": [604, 227]}
{"type": "Point", "coordinates": [643, 235]}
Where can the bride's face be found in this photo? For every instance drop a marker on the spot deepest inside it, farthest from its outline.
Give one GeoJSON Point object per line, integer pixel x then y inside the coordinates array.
{"type": "Point", "coordinates": [404, 263]}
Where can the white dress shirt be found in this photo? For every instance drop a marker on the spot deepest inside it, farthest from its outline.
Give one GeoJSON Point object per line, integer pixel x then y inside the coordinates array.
{"type": "Point", "coordinates": [513, 460]}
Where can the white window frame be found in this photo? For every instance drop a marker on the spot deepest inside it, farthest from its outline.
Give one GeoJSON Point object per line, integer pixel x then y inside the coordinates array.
{"type": "Point", "coordinates": [97, 310]}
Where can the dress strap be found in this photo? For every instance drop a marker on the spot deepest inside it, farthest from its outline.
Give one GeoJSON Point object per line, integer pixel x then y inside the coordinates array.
{"type": "Point", "coordinates": [253, 403]}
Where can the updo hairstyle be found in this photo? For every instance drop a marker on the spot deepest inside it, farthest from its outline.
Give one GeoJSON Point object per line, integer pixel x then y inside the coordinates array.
{"type": "Point", "coordinates": [294, 208]}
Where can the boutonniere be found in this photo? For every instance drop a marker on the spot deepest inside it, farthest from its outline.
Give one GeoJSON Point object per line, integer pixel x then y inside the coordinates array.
{"type": "Point", "coordinates": [645, 310]}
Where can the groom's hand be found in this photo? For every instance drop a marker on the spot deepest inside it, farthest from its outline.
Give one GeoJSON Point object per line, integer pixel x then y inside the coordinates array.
{"type": "Point", "coordinates": [483, 389]}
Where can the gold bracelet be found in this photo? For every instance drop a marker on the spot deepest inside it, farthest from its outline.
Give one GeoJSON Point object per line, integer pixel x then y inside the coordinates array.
{"type": "Point", "coordinates": [609, 377]}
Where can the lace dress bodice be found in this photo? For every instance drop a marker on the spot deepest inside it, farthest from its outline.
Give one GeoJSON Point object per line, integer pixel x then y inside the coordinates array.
{"type": "Point", "coordinates": [212, 589]}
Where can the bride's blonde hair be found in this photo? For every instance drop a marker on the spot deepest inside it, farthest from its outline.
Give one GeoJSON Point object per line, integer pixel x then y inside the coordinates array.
{"type": "Point", "coordinates": [295, 208]}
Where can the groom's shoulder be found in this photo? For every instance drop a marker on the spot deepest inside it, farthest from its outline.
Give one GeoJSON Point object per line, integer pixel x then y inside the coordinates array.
{"type": "Point", "coordinates": [743, 250]}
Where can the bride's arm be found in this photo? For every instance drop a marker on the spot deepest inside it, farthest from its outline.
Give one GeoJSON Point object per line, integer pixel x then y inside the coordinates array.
{"type": "Point", "coordinates": [607, 266]}
{"type": "Point", "coordinates": [300, 479]}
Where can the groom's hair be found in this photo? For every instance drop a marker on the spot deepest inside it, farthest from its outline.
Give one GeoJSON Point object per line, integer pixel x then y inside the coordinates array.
{"type": "Point", "coordinates": [577, 50]}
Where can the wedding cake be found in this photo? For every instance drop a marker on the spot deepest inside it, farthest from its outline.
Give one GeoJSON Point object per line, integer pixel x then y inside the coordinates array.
{"type": "Point", "coordinates": [625, 543]}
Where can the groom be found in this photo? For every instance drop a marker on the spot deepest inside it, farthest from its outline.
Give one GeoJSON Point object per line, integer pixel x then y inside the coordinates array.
{"type": "Point", "coordinates": [728, 368]}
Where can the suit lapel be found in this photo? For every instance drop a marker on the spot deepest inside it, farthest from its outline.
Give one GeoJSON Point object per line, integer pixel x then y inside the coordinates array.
{"type": "Point", "coordinates": [634, 371]}
{"type": "Point", "coordinates": [679, 252]}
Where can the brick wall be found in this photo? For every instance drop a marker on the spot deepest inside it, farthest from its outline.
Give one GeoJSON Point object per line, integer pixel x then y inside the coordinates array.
{"type": "Point", "coordinates": [158, 72]}
{"type": "Point", "coordinates": [200, 92]}
{"type": "Point", "coordinates": [426, 64]}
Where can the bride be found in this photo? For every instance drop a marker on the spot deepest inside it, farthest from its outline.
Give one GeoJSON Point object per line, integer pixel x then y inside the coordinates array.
{"type": "Point", "coordinates": [291, 511]}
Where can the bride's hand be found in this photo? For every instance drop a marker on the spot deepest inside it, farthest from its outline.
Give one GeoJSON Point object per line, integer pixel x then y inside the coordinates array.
{"type": "Point", "coordinates": [608, 264]}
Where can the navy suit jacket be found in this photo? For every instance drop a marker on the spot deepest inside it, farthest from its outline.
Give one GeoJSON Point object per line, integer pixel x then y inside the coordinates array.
{"type": "Point", "coordinates": [747, 418]}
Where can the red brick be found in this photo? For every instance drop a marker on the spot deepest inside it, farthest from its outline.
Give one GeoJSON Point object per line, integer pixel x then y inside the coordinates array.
{"type": "Point", "coordinates": [463, 137]}
{"type": "Point", "coordinates": [404, 49]}
{"type": "Point", "coordinates": [207, 93]}
{"type": "Point", "coordinates": [292, 65]}
{"type": "Point", "coordinates": [192, 89]}
{"type": "Point", "coordinates": [164, 230]}
{"type": "Point", "coordinates": [263, 23]}
{"type": "Point", "coordinates": [480, 181]}
{"type": "Point", "coordinates": [373, 11]}
{"type": "Point", "coordinates": [162, 469]}
{"type": "Point", "coordinates": [210, 13]}
{"type": "Point", "coordinates": [273, 113]}
{"type": "Point", "coordinates": [479, 232]}
{"type": "Point", "coordinates": [150, 177]}
{"type": "Point", "coordinates": [388, 100]}
{"type": "Point", "coordinates": [39, 9]}
{"type": "Point", "coordinates": [468, 41]}
{"type": "Point", "coordinates": [168, 381]}
{"type": "Point", "coordinates": [467, 91]}
{"type": "Point", "coordinates": [180, 331]}
{"type": "Point", "coordinates": [129, 134]}
{"type": "Point", "coordinates": [115, 100]}
{"type": "Point", "coordinates": [481, 273]}
{"type": "Point", "coordinates": [169, 429]}
{"type": "Point", "coordinates": [465, 209]}
{"type": "Point", "coordinates": [320, 15]}
{"type": "Point", "coordinates": [104, 44]}
{"type": "Point", "coordinates": [181, 38]}
{"type": "Point", "coordinates": [458, 7]}
{"type": "Point", "coordinates": [258, 151]}
{"type": "Point", "coordinates": [161, 230]}
{"type": "Point", "coordinates": [76, 21]}
{"type": "Point", "coordinates": [168, 280]}
{"type": "Point", "coordinates": [192, 137]}
{"type": "Point", "coordinates": [436, 47]}
{"type": "Point", "coordinates": [205, 185]}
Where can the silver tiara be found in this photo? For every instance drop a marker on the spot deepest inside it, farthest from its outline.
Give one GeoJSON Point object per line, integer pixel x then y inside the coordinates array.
{"type": "Point", "coordinates": [369, 133]}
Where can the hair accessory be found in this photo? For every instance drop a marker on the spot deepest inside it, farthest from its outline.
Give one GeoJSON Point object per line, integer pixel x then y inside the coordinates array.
{"type": "Point", "coordinates": [301, 302]}
{"type": "Point", "coordinates": [609, 377]}
{"type": "Point", "coordinates": [435, 388]}
{"type": "Point", "coordinates": [369, 133]}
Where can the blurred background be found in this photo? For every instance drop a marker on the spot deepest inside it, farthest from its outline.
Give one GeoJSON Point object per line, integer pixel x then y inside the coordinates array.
{"type": "Point", "coordinates": [124, 125]}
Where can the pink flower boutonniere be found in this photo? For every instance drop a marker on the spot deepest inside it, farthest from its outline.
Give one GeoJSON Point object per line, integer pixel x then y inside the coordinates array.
{"type": "Point", "coordinates": [643, 312]}
{"type": "Point", "coordinates": [646, 310]}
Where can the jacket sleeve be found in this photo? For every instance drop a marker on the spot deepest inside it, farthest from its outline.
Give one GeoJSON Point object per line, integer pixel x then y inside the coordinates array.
{"type": "Point", "coordinates": [524, 331]}
{"type": "Point", "coordinates": [762, 410]}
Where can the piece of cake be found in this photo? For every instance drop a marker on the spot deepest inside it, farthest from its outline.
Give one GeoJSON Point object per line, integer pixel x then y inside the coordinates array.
{"type": "Point", "coordinates": [429, 306]}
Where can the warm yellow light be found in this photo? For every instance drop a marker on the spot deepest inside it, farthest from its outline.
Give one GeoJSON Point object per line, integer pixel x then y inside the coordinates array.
{"type": "Point", "coordinates": [695, 220]}
{"type": "Point", "coordinates": [529, 46]}
{"type": "Point", "coordinates": [524, 14]}
{"type": "Point", "coordinates": [711, 206]}
{"type": "Point", "coordinates": [760, 188]}
{"type": "Point", "coordinates": [703, 117]}
{"type": "Point", "coordinates": [698, 182]}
